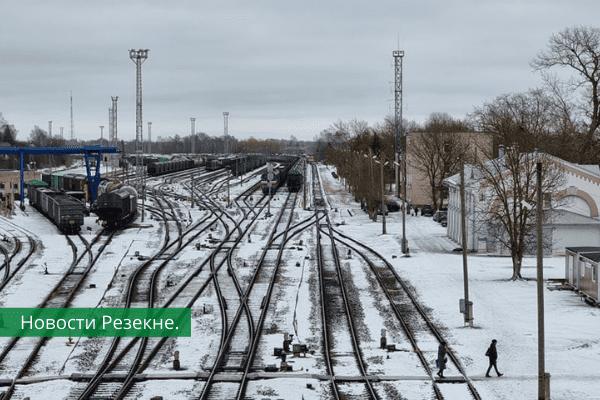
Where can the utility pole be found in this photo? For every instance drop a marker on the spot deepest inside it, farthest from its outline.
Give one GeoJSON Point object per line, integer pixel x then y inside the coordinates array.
{"type": "Point", "coordinates": [543, 377]}
{"type": "Point", "coordinates": [383, 206]}
{"type": "Point", "coordinates": [468, 311]}
{"type": "Point", "coordinates": [304, 186]}
{"type": "Point", "coordinates": [50, 129]}
{"type": "Point", "coordinates": [138, 57]}
{"type": "Point", "coordinates": [192, 190]}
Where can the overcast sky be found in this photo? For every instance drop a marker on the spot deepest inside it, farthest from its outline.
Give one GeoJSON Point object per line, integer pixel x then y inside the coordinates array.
{"type": "Point", "coordinates": [279, 68]}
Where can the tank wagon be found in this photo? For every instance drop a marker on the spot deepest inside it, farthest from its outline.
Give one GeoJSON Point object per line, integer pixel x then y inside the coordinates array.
{"type": "Point", "coordinates": [166, 167]}
{"type": "Point", "coordinates": [294, 180]}
{"type": "Point", "coordinates": [117, 207]}
{"type": "Point", "coordinates": [65, 211]}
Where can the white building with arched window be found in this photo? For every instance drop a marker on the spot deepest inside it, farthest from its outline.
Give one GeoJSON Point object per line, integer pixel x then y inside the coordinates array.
{"type": "Point", "coordinates": [575, 219]}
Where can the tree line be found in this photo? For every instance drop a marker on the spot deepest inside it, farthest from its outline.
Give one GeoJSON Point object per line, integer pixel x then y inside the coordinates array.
{"type": "Point", "coordinates": [561, 119]}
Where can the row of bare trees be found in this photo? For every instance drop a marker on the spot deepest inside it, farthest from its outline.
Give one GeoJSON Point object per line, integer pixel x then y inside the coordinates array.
{"type": "Point", "coordinates": [561, 119]}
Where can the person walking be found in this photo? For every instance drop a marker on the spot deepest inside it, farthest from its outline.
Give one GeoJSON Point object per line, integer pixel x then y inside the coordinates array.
{"type": "Point", "coordinates": [492, 354]}
{"type": "Point", "coordinates": [441, 359]}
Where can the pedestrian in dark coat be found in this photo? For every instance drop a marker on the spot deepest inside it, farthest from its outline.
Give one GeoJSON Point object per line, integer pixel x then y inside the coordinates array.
{"type": "Point", "coordinates": [492, 354]}
{"type": "Point", "coordinates": [442, 359]}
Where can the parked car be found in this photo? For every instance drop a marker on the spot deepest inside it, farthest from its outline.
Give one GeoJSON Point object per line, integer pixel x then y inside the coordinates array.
{"type": "Point", "coordinates": [427, 210]}
{"type": "Point", "coordinates": [379, 210]}
{"type": "Point", "coordinates": [392, 206]}
{"type": "Point", "coordinates": [439, 214]}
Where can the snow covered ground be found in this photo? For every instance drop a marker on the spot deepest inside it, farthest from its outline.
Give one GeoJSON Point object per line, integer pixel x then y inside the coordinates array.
{"type": "Point", "coordinates": [503, 310]}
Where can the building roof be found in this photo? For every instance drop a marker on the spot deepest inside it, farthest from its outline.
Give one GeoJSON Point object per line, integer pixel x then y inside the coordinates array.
{"type": "Point", "coordinates": [564, 217]}
{"type": "Point", "coordinates": [472, 174]}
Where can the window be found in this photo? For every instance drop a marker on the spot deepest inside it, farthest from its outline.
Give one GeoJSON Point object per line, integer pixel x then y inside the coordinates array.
{"type": "Point", "coordinates": [594, 273]}
{"type": "Point", "coordinates": [582, 266]}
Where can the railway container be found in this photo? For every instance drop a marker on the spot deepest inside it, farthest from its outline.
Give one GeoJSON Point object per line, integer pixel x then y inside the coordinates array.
{"type": "Point", "coordinates": [581, 271]}
{"type": "Point", "coordinates": [117, 207]}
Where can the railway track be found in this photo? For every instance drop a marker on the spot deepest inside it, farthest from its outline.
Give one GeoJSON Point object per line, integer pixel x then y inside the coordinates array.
{"type": "Point", "coordinates": [341, 345]}
{"type": "Point", "coordinates": [24, 352]}
{"type": "Point", "coordinates": [134, 354]}
{"type": "Point", "coordinates": [21, 253]}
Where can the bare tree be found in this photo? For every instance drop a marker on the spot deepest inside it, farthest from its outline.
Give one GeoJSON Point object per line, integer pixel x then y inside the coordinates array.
{"type": "Point", "coordinates": [578, 48]}
{"type": "Point", "coordinates": [507, 195]}
{"type": "Point", "coordinates": [8, 133]}
{"type": "Point", "coordinates": [439, 151]}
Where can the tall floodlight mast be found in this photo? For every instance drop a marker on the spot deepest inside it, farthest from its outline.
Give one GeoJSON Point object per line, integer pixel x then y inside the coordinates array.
{"type": "Point", "coordinates": [226, 133]}
{"type": "Point", "coordinates": [113, 122]}
{"type": "Point", "coordinates": [193, 143]}
{"type": "Point", "coordinates": [138, 57]}
{"type": "Point", "coordinates": [400, 142]}
{"type": "Point", "coordinates": [72, 124]}
{"type": "Point", "coordinates": [149, 138]}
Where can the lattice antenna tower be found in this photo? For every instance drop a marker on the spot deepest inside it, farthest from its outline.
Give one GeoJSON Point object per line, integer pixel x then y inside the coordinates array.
{"type": "Point", "coordinates": [398, 133]}
{"type": "Point", "coordinates": [138, 57]}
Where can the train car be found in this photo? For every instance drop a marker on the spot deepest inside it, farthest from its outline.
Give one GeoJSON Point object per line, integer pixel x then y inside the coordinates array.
{"type": "Point", "coordinates": [213, 165]}
{"type": "Point", "coordinates": [294, 180]}
{"type": "Point", "coordinates": [245, 164]}
{"type": "Point", "coordinates": [65, 211]}
{"type": "Point", "coordinates": [166, 167]}
{"type": "Point", "coordinates": [117, 207]}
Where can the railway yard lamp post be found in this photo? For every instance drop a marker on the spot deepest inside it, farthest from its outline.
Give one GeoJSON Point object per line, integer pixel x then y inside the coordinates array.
{"type": "Point", "coordinates": [543, 377]}
{"type": "Point", "coordinates": [467, 306]}
{"type": "Point", "coordinates": [192, 190]}
{"type": "Point", "coordinates": [383, 207]}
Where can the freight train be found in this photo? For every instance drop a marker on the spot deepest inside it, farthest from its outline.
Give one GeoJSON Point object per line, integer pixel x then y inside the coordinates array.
{"type": "Point", "coordinates": [238, 165]}
{"type": "Point", "coordinates": [65, 211]}
{"type": "Point", "coordinates": [166, 167]}
{"type": "Point", "coordinates": [117, 207]}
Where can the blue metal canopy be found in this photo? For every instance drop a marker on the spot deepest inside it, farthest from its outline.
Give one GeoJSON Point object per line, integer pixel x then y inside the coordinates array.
{"type": "Point", "coordinates": [87, 151]}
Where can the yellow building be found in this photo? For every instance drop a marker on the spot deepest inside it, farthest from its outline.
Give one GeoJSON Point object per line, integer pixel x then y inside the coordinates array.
{"type": "Point", "coordinates": [10, 185]}
{"type": "Point", "coordinates": [418, 188]}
